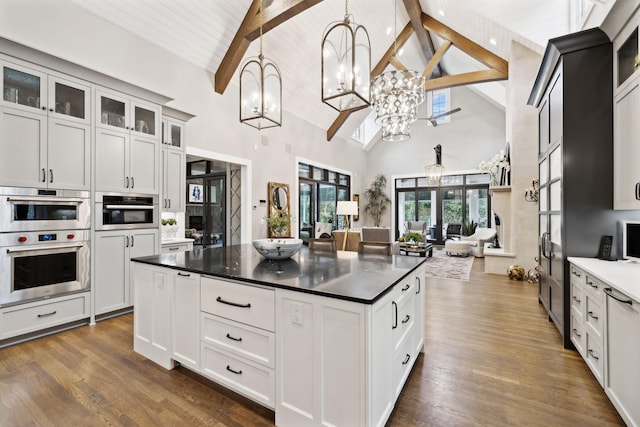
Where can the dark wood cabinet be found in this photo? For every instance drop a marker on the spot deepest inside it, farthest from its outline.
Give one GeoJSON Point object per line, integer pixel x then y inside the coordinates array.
{"type": "Point", "coordinates": [574, 96]}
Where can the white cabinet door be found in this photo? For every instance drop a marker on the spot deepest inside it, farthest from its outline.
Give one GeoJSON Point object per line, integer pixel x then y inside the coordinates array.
{"type": "Point", "coordinates": [152, 318]}
{"type": "Point", "coordinates": [623, 355]}
{"type": "Point", "coordinates": [111, 261]}
{"type": "Point", "coordinates": [173, 180]}
{"type": "Point", "coordinates": [419, 311]}
{"type": "Point", "coordinates": [23, 147]}
{"type": "Point", "coordinates": [626, 152]}
{"type": "Point", "coordinates": [111, 165]}
{"type": "Point", "coordinates": [68, 155]}
{"type": "Point", "coordinates": [24, 88]}
{"type": "Point", "coordinates": [143, 165]}
{"type": "Point", "coordinates": [185, 319]}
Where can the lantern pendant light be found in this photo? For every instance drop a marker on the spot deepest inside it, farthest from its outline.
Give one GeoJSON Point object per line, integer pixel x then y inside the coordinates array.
{"type": "Point", "coordinates": [435, 171]}
{"type": "Point", "coordinates": [260, 91]}
{"type": "Point", "coordinates": [346, 64]}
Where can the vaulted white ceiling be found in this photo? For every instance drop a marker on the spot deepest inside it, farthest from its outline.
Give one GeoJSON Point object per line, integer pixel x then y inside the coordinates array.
{"type": "Point", "coordinates": [200, 31]}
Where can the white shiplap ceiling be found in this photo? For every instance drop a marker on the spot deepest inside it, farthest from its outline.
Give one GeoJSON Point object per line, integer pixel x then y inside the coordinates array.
{"type": "Point", "coordinates": [200, 31]}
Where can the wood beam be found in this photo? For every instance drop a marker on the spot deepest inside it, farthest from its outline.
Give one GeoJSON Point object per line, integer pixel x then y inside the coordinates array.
{"type": "Point", "coordinates": [415, 16]}
{"type": "Point", "coordinates": [275, 14]}
{"type": "Point", "coordinates": [464, 79]}
{"type": "Point", "coordinates": [377, 69]}
{"type": "Point", "coordinates": [436, 58]}
{"type": "Point", "coordinates": [467, 46]}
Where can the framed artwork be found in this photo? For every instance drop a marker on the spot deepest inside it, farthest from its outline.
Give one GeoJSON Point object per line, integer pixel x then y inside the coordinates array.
{"type": "Point", "coordinates": [356, 198]}
{"type": "Point", "coordinates": [196, 193]}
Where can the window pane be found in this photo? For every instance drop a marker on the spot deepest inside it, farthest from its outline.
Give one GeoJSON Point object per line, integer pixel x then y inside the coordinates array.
{"type": "Point", "coordinates": [318, 173]}
{"type": "Point", "coordinates": [199, 168]}
{"type": "Point", "coordinates": [479, 178]}
{"type": "Point", "coordinates": [406, 209]}
{"type": "Point", "coordinates": [406, 183]}
{"type": "Point", "coordinates": [305, 204]}
{"type": "Point", "coordinates": [452, 180]}
{"type": "Point", "coordinates": [326, 203]}
{"type": "Point", "coordinates": [304, 170]}
{"type": "Point", "coordinates": [476, 206]}
{"type": "Point", "coordinates": [451, 208]}
{"type": "Point", "coordinates": [422, 182]}
{"type": "Point", "coordinates": [426, 206]}
{"type": "Point", "coordinates": [331, 176]}
{"type": "Point", "coordinates": [343, 179]}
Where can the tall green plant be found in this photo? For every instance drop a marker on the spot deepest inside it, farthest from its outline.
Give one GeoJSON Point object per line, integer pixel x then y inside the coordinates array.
{"type": "Point", "coordinates": [378, 199]}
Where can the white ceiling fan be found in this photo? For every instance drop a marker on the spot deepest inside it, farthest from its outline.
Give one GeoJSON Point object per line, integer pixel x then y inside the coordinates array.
{"type": "Point", "coordinates": [434, 119]}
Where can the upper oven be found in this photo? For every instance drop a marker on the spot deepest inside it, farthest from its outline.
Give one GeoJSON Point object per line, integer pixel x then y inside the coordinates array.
{"type": "Point", "coordinates": [124, 211]}
{"type": "Point", "coordinates": [31, 209]}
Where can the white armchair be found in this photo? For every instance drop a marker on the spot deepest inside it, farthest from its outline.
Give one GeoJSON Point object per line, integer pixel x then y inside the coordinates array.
{"type": "Point", "coordinates": [478, 239]}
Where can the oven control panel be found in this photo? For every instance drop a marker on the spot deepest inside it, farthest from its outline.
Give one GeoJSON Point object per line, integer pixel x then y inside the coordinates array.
{"type": "Point", "coordinates": [40, 238]}
{"type": "Point", "coordinates": [47, 237]}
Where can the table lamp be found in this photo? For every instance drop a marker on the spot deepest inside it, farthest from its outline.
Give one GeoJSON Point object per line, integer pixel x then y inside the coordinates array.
{"type": "Point", "coordinates": [346, 208]}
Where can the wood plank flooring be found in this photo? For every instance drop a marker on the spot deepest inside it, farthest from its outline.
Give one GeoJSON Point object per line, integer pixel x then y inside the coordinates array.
{"type": "Point", "coordinates": [491, 358]}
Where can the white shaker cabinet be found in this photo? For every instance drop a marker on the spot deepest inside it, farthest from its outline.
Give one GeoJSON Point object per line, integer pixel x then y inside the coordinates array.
{"type": "Point", "coordinates": [185, 319]}
{"type": "Point", "coordinates": [127, 145]}
{"type": "Point", "coordinates": [626, 151]}
{"type": "Point", "coordinates": [623, 355]}
{"type": "Point", "coordinates": [173, 166]}
{"type": "Point", "coordinates": [44, 130]}
{"type": "Point", "coordinates": [112, 252]}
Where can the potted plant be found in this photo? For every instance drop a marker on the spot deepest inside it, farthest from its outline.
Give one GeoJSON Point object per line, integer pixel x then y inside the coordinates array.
{"type": "Point", "coordinates": [469, 228]}
{"type": "Point", "coordinates": [378, 199]}
{"type": "Point", "coordinates": [278, 223]}
{"type": "Point", "coordinates": [412, 236]}
{"type": "Point", "coordinates": [169, 228]}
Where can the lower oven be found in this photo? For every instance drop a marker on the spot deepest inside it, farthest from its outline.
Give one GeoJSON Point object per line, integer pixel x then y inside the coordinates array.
{"type": "Point", "coordinates": [37, 265]}
{"type": "Point", "coordinates": [126, 211]}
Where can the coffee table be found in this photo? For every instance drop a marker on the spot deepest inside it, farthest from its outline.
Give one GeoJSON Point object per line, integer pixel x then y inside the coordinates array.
{"type": "Point", "coordinates": [420, 249]}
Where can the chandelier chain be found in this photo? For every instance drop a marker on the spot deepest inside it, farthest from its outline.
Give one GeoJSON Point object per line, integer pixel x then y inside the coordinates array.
{"type": "Point", "coordinates": [260, 23]}
{"type": "Point", "coordinates": [346, 8]}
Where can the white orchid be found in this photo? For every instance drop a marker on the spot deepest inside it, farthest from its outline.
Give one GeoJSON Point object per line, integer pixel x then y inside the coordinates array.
{"type": "Point", "coordinates": [495, 165]}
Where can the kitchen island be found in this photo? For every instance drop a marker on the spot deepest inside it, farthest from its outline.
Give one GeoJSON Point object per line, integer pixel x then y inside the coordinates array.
{"type": "Point", "coordinates": [319, 338]}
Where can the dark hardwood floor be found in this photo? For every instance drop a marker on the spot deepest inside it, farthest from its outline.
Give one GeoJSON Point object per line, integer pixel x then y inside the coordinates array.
{"type": "Point", "coordinates": [491, 358]}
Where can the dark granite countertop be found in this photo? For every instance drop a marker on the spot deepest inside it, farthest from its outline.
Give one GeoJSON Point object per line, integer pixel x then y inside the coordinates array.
{"type": "Point", "coordinates": [344, 275]}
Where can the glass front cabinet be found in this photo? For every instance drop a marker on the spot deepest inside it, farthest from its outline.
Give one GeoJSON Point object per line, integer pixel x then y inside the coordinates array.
{"type": "Point", "coordinates": [128, 114]}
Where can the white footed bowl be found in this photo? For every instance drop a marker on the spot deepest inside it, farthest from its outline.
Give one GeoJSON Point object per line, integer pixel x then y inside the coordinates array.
{"type": "Point", "coordinates": [277, 248]}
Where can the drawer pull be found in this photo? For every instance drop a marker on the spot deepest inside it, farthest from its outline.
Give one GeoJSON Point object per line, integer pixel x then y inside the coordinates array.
{"type": "Point", "coordinates": [590, 313]}
{"type": "Point", "coordinates": [47, 314]}
{"type": "Point", "coordinates": [609, 292]}
{"type": "Point", "coordinates": [184, 274]}
{"type": "Point", "coordinates": [592, 285]}
{"type": "Point", "coordinates": [575, 332]}
{"type": "Point", "coordinates": [406, 319]}
{"type": "Point", "coordinates": [419, 287]}
{"type": "Point", "coordinates": [406, 359]}
{"type": "Point", "coordinates": [175, 248]}
{"type": "Point", "coordinates": [235, 304]}
{"type": "Point", "coordinates": [575, 273]}
{"type": "Point", "coordinates": [575, 298]}
{"type": "Point", "coordinates": [395, 316]}
{"type": "Point", "coordinates": [406, 287]}
{"type": "Point", "coordinates": [232, 371]}
{"type": "Point", "coordinates": [592, 354]}
{"type": "Point", "coordinates": [234, 338]}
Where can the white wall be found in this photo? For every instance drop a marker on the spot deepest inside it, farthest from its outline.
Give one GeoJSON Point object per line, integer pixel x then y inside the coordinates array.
{"type": "Point", "coordinates": [62, 29]}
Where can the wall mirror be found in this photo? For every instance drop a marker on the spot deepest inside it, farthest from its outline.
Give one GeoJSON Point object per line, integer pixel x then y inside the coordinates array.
{"type": "Point", "coordinates": [279, 205]}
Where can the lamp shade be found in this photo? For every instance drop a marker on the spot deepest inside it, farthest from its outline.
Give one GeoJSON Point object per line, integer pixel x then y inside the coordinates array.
{"type": "Point", "coordinates": [347, 208]}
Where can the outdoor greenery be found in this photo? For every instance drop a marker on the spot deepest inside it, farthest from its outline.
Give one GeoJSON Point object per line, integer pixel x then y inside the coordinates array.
{"type": "Point", "coordinates": [378, 199]}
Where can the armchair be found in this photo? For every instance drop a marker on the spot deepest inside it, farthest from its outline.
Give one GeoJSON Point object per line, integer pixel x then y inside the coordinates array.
{"type": "Point", "coordinates": [478, 239]}
{"type": "Point", "coordinates": [418, 227]}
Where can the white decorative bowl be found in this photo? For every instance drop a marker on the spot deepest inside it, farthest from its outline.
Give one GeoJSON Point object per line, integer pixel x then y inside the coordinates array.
{"type": "Point", "coordinates": [277, 248]}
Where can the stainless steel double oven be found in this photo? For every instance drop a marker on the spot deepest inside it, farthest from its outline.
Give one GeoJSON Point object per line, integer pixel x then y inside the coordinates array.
{"type": "Point", "coordinates": [44, 243]}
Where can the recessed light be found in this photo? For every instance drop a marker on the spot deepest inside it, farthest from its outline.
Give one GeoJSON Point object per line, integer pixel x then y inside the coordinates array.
{"type": "Point", "coordinates": [441, 12]}
{"type": "Point", "coordinates": [400, 52]}
{"type": "Point", "coordinates": [389, 29]}
{"type": "Point", "coordinates": [493, 41]}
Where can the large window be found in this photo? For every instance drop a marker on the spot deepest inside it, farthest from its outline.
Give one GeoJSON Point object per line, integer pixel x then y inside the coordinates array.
{"type": "Point", "coordinates": [459, 200]}
{"type": "Point", "coordinates": [320, 191]}
{"type": "Point", "coordinates": [438, 102]}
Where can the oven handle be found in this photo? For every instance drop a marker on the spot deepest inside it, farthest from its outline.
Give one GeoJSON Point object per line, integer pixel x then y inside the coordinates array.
{"type": "Point", "coordinates": [42, 248]}
{"type": "Point", "coordinates": [124, 207]}
{"type": "Point", "coordinates": [45, 199]}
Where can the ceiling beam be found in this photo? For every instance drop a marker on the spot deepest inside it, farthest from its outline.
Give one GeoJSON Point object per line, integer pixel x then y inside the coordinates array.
{"type": "Point", "coordinates": [466, 45]}
{"type": "Point", "coordinates": [464, 79]}
{"type": "Point", "coordinates": [415, 16]}
{"type": "Point", "coordinates": [435, 59]}
{"type": "Point", "coordinates": [274, 14]}
{"type": "Point", "coordinates": [379, 68]}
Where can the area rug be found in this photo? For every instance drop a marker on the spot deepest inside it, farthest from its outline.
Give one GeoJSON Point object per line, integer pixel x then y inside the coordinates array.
{"type": "Point", "coordinates": [448, 267]}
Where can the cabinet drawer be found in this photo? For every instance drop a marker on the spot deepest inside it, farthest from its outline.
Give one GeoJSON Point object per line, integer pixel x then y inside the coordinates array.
{"type": "Point", "coordinates": [403, 318]}
{"type": "Point", "coordinates": [403, 360]}
{"type": "Point", "coordinates": [22, 319]}
{"type": "Point", "coordinates": [249, 379]}
{"type": "Point", "coordinates": [243, 303]}
{"type": "Point", "coordinates": [594, 356]}
{"type": "Point", "coordinates": [178, 247]}
{"type": "Point", "coordinates": [594, 315]}
{"type": "Point", "coordinates": [578, 336]}
{"type": "Point", "coordinates": [577, 275]}
{"type": "Point", "coordinates": [595, 288]}
{"type": "Point", "coordinates": [242, 340]}
{"type": "Point", "coordinates": [577, 297]}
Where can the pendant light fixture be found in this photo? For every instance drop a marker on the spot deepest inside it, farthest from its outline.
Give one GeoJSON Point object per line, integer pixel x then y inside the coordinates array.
{"type": "Point", "coordinates": [435, 171]}
{"type": "Point", "coordinates": [346, 64]}
{"type": "Point", "coordinates": [395, 96]}
{"type": "Point", "coordinates": [260, 91]}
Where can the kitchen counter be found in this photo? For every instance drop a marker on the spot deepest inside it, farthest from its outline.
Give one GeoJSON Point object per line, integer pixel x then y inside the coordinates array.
{"type": "Point", "coordinates": [622, 275]}
{"type": "Point", "coordinates": [343, 275]}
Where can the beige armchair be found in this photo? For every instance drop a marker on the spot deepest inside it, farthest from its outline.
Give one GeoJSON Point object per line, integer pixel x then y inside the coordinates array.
{"type": "Point", "coordinates": [478, 239]}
